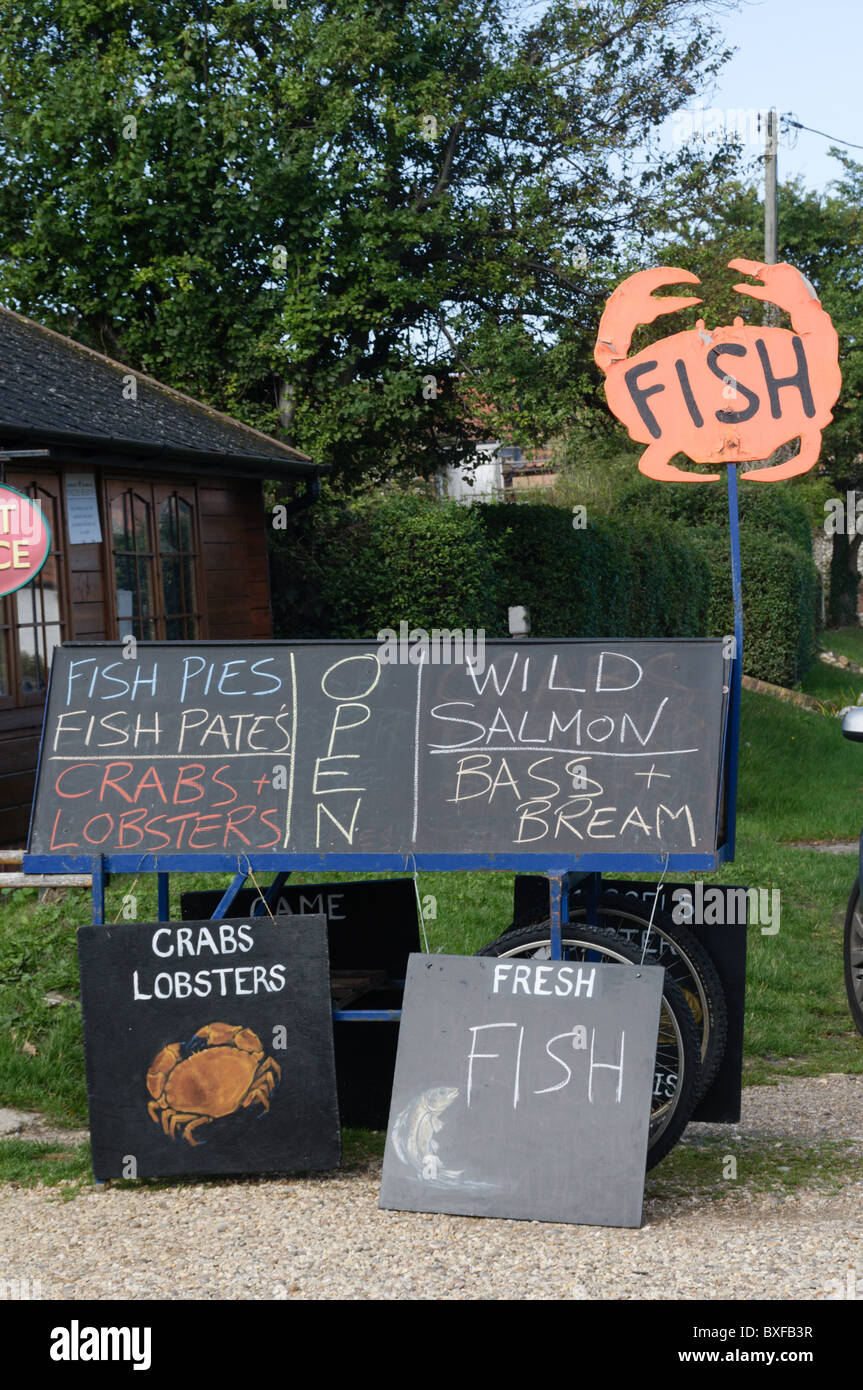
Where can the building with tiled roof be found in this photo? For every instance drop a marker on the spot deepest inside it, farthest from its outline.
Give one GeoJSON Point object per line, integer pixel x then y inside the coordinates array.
{"type": "Point", "coordinates": [155, 504]}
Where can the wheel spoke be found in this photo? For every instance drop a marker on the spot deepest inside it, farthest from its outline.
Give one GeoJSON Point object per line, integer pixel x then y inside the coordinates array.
{"type": "Point", "coordinates": [662, 950]}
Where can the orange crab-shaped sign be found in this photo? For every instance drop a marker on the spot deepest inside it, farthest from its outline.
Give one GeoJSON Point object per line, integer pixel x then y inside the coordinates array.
{"type": "Point", "coordinates": [728, 395]}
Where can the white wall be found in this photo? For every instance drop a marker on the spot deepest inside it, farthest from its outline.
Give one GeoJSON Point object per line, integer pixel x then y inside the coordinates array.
{"type": "Point", "coordinates": [482, 483]}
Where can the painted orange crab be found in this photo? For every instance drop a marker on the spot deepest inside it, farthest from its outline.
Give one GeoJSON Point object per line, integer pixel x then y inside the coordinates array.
{"type": "Point", "coordinates": [223, 1068]}
{"type": "Point", "coordinates": [684, 394]}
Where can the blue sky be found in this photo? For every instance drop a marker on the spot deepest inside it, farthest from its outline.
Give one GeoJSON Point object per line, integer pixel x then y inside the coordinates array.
{"type": "Point", "coordinates": [802, 56]}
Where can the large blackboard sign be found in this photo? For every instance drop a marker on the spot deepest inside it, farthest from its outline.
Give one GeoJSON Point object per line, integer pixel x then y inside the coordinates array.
{"type": "Point", "coordinates": [326, 748]}
{"type": "Point", "coordinates": [208, 1048]}
{"type": "Point", "coordinates": [523, 1090]}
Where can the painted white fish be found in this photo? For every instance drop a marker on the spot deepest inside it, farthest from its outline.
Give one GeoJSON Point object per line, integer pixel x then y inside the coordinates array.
{"type": "Point", "coordinates": [414, 1131]}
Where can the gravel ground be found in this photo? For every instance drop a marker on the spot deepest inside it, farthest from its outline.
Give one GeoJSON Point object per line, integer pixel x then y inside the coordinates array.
{"type": "Point", "coordinates": [325, 1238]}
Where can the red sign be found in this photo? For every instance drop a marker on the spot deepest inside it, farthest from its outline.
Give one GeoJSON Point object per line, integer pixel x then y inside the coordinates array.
{"type": "Point", "coordinates": [727, 395]}
{"type": "Point", "coordinates": [25, 540]}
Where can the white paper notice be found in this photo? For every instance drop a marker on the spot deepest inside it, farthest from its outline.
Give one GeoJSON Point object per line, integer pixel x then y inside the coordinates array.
{"type": "Point", "coordinates": [82, 508]}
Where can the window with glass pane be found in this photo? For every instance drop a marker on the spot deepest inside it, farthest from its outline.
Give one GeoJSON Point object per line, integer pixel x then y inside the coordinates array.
{"type": "Point", "coordinates": [31, 620]}
{"type": "Point", "coordinates": [154, 540]}
{"type": "Point", "coordinates": [134, 563]}
{"type": "Point", "coordinates": [177, 565]}
{"type": "Point", "coordinates": [37, 608]}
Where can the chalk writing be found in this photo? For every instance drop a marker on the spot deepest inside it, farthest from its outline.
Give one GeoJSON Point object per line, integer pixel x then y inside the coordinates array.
{"type": "Point", "coordinates": [324, 748]}
{"type": "Point", "coordinates": [510, 1074]}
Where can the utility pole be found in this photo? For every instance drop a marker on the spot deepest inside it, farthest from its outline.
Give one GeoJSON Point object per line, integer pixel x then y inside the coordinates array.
{"type": "Point", "coordinates": [771, 148]}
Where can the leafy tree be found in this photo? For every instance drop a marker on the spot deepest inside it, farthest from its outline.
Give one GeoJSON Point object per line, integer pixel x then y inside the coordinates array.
{"type": "Point", "coordinates": [327, 219]}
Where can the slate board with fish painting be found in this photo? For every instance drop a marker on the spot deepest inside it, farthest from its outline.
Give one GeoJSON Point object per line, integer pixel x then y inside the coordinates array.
{"type": "Point", "coordinates": [522, 1089]}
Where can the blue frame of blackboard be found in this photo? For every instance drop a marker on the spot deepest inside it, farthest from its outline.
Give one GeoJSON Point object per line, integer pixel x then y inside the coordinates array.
{"type": "Point", "coordinates": [562, 872]}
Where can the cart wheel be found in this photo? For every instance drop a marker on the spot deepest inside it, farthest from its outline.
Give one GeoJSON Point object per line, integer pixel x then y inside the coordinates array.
{"type": "Point", "coordinates": [684, 958]}
{"type": "Point", "coordinates": [854, 956]}
{"type": "Point", "coordinates": [677, 1078]}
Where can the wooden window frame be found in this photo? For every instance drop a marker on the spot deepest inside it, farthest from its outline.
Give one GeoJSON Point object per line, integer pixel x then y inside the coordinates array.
{"type": "Point", "coordinates": [156, 492]}
{"type": "Point", "coordinates": [29, 482]}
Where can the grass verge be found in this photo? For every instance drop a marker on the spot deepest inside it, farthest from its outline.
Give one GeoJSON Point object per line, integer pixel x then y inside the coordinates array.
{"type": "Point", "coordinates": [717, 1168]}
{"type": "Point", "coordinates": [29, 1163]}
{"type": "Point", "coordinates": [722, 1168]}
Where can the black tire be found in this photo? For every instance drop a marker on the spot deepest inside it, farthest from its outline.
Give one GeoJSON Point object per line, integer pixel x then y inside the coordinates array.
{"type": "Point", "coordinates": [677, 1077]}
{"type": "Point", "coordinates": [685, 960]}
{"type": "Point", "coordinates": [853, 956]}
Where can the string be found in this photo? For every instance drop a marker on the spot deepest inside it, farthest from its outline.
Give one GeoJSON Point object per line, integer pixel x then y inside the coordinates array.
{"type": "Point", "coordinates": [420, 907]}
{"type": "Point", "coordinates": [126, 897]}
{"type": "Point", "coordinates": [258, 887]}
{"type": "Point", "coordinates": [653, 908]}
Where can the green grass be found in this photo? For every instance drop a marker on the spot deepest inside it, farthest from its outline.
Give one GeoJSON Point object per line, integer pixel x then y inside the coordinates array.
{"type": "Point", "coordinates": [24, 1163]}
{"type": "Point", "coordinates": [799, 780]}
{"type": "Point", "coordinates": [832, 685]}
{"type": "Point", "coordinates": [845, 641]}
{"type": "Point", "coordinates": [699, 1166]}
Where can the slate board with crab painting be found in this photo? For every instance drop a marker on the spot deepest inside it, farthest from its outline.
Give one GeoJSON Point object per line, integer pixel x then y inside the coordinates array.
{"type": "Point", "coordinates": [522, 1089]}
{"type": "Point", "coordinates": [209, 1047]}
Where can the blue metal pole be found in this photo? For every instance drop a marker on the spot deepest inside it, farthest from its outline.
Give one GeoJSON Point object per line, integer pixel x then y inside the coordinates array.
{"type": "Point", "coordinates": [225, 903]}
{"type": "Point", "coordinates": [98, 872]}
{"type": "Point", "coordinates": [164, 896]}
{"type": "Point", "coordinates": [737, 663]}
{"type": "Point", "coordinates": [554, 904]}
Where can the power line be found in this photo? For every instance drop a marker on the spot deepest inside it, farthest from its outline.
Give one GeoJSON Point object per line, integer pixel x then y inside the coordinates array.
{"type": "Point", "coordinates": [799, 126]}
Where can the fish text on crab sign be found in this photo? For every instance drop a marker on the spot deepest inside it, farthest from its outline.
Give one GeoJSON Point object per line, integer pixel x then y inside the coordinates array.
{"type": "Point", "coordinates": [732, 394]}
{"type": "Point", "coordinates": [733, 388]}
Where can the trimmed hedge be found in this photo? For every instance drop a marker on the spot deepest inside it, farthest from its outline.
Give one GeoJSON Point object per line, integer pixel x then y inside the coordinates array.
{"type": "Point", "coordinates": [771, 511]}
{"type": "Point", "coordinates": [781, 602]}
{"type": "Point", "coordinates": [350, 569]}
{"type": "Point", "coordinates": [644, 579]}
{"type": "Point", "coordinates": [414, 560]}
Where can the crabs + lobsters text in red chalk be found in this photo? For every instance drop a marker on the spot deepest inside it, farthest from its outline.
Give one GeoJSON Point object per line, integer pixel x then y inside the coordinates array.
{"type": "Point", "coordinates": [203, 808]}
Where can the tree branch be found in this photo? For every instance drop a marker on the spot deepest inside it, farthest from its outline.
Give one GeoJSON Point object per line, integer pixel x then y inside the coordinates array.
{"type": "Point", "coordinates": [443, 177]}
